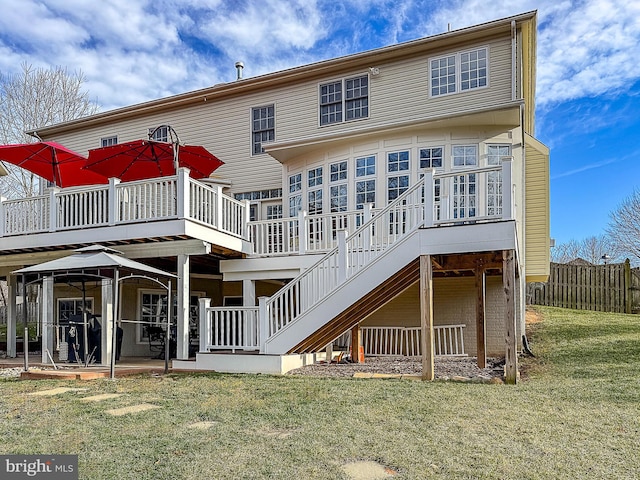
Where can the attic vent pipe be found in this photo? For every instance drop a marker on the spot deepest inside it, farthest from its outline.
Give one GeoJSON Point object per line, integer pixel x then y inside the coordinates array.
{"type": "Point", "coordinates": [239, 67]}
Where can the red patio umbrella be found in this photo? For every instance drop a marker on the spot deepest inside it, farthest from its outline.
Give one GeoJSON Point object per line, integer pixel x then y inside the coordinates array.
{"type": "Point", "coordinates": [53, 162]}
{"type": "Point", "coordinates": [142, 159]}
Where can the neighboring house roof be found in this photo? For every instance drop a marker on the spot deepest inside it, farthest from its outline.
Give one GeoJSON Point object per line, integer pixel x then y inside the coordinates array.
{"type": "Point", "coordinates": [326, 67]}
{"type": "Point", "coordinates": [579, 261]}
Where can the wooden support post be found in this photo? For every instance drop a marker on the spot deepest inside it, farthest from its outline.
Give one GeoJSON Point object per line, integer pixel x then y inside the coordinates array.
{"type": "Point", "coordinates": [356, 341]}
{"type": "Point", "coordinates": [511, 353]}
{"type": "Point", "coordinates": [481, 316]}
{"type": "Point", "coordinates": [426, 317]}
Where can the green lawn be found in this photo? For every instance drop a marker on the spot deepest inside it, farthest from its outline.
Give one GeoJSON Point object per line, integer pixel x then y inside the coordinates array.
{"type": "Point", "coordinates": [576, 415]}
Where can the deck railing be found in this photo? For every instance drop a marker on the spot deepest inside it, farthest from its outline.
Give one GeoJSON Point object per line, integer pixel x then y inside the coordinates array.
{"type": "Point", "coordinates": [467, 195]}
{"type": "Point", "coordinates": [224, 328]}
{"type": "Point", "coordinates": [165, 198]}
{"type": "Point", "coordinates": [406, 341]}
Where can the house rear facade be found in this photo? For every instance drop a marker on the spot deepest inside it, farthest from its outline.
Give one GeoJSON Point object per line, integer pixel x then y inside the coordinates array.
{"type": "Point", "coordinates": [397, 194]}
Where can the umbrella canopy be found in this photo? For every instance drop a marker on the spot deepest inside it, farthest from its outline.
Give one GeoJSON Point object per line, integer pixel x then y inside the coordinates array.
{"type": "Point", "coordinates": [53, 162]}
{"type": "Point", "coordinates": [142, 159]}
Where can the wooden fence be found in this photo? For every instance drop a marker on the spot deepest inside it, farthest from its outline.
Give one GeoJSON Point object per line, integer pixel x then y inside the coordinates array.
{"type": "Point", "coordinates": [603, 288]}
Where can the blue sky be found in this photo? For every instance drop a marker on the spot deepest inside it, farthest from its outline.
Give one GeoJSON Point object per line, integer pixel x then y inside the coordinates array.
{"type": "Point", "coordinates": [588, 89]}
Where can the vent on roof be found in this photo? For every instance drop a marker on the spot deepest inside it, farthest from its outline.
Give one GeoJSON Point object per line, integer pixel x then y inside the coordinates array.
{"type": "Point", "coordinates": [239, 67]}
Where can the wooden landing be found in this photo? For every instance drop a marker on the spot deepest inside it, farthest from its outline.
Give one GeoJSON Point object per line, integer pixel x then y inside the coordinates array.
{"type": "Point", "coordinates": [86, 374]}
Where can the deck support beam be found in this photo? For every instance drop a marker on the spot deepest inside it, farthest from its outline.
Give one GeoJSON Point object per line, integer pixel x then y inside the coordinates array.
{"type": "Point", "coordinates": [481, 345]}
{"type": "Point", "coordinates": [356, 341]}
{"type": "Point", "coordinates": [426, 317]}
{"type": "Point", "coordinates": [47, 319]}
{"type": "Point", "coordinates": [12, 315]}
{"type": "Point", "coordinates": [510, 328]}
{"type": "Point", "coordinates": [184, 299]}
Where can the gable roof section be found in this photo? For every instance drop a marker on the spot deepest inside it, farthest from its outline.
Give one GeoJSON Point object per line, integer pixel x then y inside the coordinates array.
{"type": "Point", "coordinates": [323, 68]}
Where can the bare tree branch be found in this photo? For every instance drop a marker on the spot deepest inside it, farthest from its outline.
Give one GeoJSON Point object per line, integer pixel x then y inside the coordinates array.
{"type": "Point", "coordinates": [32, 99]}
{"type": "Point", "coordinates": [624, 226]}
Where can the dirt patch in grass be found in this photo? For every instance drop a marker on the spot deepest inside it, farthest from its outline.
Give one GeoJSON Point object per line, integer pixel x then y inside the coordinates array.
{"type": "Point", "coordinates": [532, 317]}
{"type": "Point", "coordinates": [368, 470]}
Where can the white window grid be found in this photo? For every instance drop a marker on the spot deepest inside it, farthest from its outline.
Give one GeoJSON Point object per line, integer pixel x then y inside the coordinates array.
{"type": "Point", "coordinates": [338, 197]}
{"type": "Point", "coordinates": [295, 182]}
{"type": "Point", "coordinates": [338, 171]}
{"type": "Point", "coordinates": [459, 72]}
{"type": "Point", "coordinates": [355, 101]}
{"type": "Point", "coordinates": [262, 127]}
{"type": "Point", "coordinates": [314, 177]}
{"type": "Point", "coordinates": [398, 161]}
{"type": "Point", "coordinates": [366, 166]}
{"type": "Point", "coordinates": [108, 141]}
{"type": "Point", "coordinates": [431, 157]}
{"type": "Point", "coordinates": [465, 155]}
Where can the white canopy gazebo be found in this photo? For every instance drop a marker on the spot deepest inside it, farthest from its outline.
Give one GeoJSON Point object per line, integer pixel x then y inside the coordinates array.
{"type": "Point", "coordinates": [95, 262]}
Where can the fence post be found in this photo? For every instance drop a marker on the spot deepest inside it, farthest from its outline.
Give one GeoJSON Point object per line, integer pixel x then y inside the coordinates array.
{"type": "Point", "coordinates": [627, 286]}
{"type": "Point", "coordinates": [205, 324]}
{"type": "Point", "coordinates": [263, 323]}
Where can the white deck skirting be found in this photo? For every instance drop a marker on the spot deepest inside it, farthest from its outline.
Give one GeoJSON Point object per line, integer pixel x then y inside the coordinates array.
{"type": "Point", "coordinates": [247, 363]}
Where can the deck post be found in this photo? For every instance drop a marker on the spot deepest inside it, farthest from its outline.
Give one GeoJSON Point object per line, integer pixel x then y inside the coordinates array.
{"type": "Point", "coordinates": [113, 210]}
{"type": "Point", "coordinates": [183, 209]}
{"type": "Point", "coordinates": [205, 324]}
{"type": "Point", "coordinates": [426, 317]}
{"type": "Point", "coordinates": [356, 341]}
{"type": "Point", "coordinates": [508, 280]}
{"type": "Point", "coordinates": [429, 198]}
{"type": "Point", "coordinates": [53, 209]}
{"type": "Point", "coordinates": [481, 316]}
{"type": "Point", "coordinates": [107, 320]}
{"type": "Point", "coordinates": [12, 315]}
{"type": "Point", "coordinates": [302, 232]}
{"type": "Point", "coordinates": [183, 292]}
{"type": "Point", "coordinates": [220, 220]}
{"type": "Point", "coordinates": [343, 257]}
{"type": "Point", "coordinates": [263, 320]}
{"type": "Point", "coordinates": [3, 216]}
{"type": "Point", "coordinates": [47, 319]}
{"type": "Point", "coordinates": [507, 197]}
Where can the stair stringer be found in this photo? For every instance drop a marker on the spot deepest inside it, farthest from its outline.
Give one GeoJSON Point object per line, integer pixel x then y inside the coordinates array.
{"type": "Point", "coordinates": [350, 291]}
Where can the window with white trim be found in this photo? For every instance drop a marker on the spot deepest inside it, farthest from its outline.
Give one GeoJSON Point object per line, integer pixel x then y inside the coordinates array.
{"type": "Point", "coordinates": [295, 197]}
{"type": "Point", "coordinates": [338, 189]}
{"type": "Point", "coordinates": [365, 188]}
{"type": "Point", "coordinates": [153, 309]}
{"type": "Point", "coordinates": [459, 72]}
{"type": "Point", "coordinates": [397, 184]}
{"type": "Point", "coordinates": [160, 134]}
{"type": "Point", "coordinates": [431, 157]}
{"type": "Point", "coordinates": [108, 141]}
{"type": "Point", "coordinates": [494, 179]}
{"type": "Point", "coordinates": [263, 129]}
{"type": "Point", "coordinates": [336, 107]}
{"type": "Point", "coordinates": [314, 191]}
{"type": "Point", "coordinates": [465, 155]}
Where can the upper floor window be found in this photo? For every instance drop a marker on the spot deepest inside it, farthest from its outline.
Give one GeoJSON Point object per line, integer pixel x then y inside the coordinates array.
{"type": "Point", "coordinates": [314, 177]}
{"type": "Point", "coordinates": [496, 152]}
{"type": "Point", "coordinates": [365, 166]}
{"type": "Point", "coordinates": [160, 134]}
{"type": "Point", "coordinates": [431, 157]}
{"type": "Point", "coordinates": [342, 100]}
{"type": "Point", "coordinates": [295, 183]}
{"type": "Point", "coordinates": [397, 161]}
{"type": "Point", "coordinates": [465, 155]}
{"type": "Point", "coordinates": [263, 128]}
{"type": "Point", "coordinates": [108, 141]}
{"type": "Point", "coordinates": [459, 72]}
{"type": "Point", "coordinates": [338, 171]}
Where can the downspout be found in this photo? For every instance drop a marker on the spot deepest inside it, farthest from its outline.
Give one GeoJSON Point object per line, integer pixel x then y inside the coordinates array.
{"type": "Point", "coordinates": [513, 60]}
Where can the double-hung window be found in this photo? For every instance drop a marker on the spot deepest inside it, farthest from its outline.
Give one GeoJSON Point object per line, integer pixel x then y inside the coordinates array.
{"type": "Point", "coordinates": [295, 194]}
{"type": "Point", "coordinates": [263, 128]}
{"type": "Point", "coordinates": [459, 72]}
{"type": "Point", "coordinates": [494, 179]}
{"type": "Point", "coordinates": [338, 186]}
{"type": "Point", "coordinates": [398, 174]}
{"type": "Point", "coordinates": [365, 181]}
{"type": "Point", "coordinates": [314, 190]}
{"type": "Point", "coordinates": [160, 134]}
{"type": "Point", "coordinates": [344, 100]}
{"type": "Point", "coordinates": [108, 141]}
